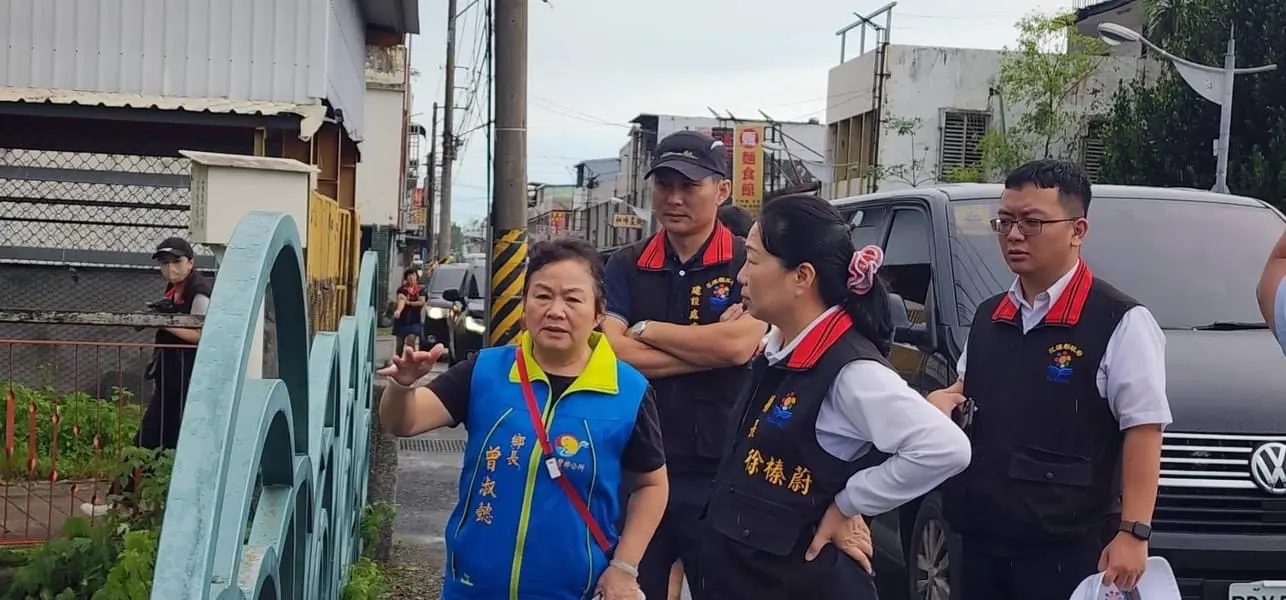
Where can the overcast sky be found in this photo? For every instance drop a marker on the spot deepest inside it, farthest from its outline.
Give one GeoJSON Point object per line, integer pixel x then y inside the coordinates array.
{"type": "Point", "coordinates": [595, 64]}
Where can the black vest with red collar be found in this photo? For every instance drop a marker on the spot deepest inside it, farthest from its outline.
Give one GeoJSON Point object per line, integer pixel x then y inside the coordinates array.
{"type": "Point", "coordinates": [694, 409]}
{"type": "Point", "coordinates": [1046, 445]}
{"type": "Point", "coordinates": [776, 482]}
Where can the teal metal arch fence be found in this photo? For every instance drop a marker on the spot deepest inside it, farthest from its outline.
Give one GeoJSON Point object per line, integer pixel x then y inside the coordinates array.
{"type": "Point", "coordinates": [304, 434]}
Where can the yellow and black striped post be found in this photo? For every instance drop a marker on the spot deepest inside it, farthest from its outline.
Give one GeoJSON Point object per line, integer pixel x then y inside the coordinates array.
{"type": "Point", "coordinates": [508, 275]}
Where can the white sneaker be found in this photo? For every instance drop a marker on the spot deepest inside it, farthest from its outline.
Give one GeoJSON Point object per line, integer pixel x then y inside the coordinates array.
{"type": "Point", "coordinates": [95, 510]}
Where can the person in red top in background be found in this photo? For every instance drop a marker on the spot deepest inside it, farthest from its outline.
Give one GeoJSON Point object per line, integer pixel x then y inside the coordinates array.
{"type": "Point", "coordinates": [408, 321]}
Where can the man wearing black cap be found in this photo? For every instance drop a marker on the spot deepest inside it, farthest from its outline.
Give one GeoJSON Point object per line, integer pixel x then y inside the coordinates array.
{"type": "Point", "coordinates": [665, 295]}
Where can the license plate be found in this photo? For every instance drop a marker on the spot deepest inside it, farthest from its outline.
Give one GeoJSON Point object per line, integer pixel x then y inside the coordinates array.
{"type": "Point", "coordinates": [1263, 590]}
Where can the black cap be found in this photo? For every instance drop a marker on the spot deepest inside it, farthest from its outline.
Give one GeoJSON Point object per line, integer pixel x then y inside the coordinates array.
{"type": "Point", "coordinates": [175, 246]}
{"type": "Point", "coordinates": [693, 154]}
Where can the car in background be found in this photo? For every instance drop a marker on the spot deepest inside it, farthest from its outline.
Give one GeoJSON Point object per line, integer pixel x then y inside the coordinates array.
{"type": "Point", "coordinates": [1194, 259]}
{"type": "Point", "coordinates": [469, 326]}
{"type": "Point", "coordinates": [439, 311]}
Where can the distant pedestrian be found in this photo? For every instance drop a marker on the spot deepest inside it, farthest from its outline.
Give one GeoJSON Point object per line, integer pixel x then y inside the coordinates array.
{"type": "Point", "coordinates": [408, 315]}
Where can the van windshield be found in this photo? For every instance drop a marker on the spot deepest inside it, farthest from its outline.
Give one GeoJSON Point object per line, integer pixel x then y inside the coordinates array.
{"type": "Point", "coordinates": [1191, 263]}
{"type": "Point", "coordinates": [445, 278]}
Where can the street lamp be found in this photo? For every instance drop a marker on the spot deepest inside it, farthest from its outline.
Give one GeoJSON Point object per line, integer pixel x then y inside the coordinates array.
{"type": "Point", "coordinates": [1212, 83]}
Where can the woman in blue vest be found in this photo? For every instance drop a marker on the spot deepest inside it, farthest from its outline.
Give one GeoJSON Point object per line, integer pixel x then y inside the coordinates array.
{"type": "Point", "coordinates": [800, 464]}
{"type": "Point", "coordinates": [556, 424]}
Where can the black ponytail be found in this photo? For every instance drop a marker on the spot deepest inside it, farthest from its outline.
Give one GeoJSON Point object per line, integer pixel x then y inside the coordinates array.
{"type": "Point", "coordinates": [803, 228]}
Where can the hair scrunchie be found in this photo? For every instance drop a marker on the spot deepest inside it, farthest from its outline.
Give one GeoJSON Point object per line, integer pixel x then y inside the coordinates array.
{"type": "Point", "coordinates": [862, 269]}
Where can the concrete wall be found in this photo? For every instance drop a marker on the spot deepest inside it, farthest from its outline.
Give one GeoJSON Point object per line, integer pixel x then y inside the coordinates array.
{"type": "Point", "coordinates": [379, 174]}
{"type": "Point", "coordinates": [925, 82]}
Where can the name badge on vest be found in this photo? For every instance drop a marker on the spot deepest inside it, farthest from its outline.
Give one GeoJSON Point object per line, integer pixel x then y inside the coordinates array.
{"type": "Point", "coordinates": [551, 465]}
{"type": "Point", "coordinates": [1063, 358]}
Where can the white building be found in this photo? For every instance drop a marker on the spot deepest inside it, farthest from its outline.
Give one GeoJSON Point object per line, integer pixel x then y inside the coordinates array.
{"type": "Point", "coordinates": [950, 91]}
{"type": "Point", "coordinates": [550, 210]}
{"type": "Point", "coordinates": [785, 153]}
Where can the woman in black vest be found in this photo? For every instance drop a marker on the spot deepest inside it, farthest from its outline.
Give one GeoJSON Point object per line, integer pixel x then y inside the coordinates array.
{"type": "Point", "coordinates": [800, 463]}
{"type": "Point", "coordinates": [187, 292]}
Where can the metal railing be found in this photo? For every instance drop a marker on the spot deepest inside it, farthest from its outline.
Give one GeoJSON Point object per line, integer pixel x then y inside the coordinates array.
{"type": "Point", "coordinates": [72, 408]}
{"type": "Point", "coordinates": [302, 434]}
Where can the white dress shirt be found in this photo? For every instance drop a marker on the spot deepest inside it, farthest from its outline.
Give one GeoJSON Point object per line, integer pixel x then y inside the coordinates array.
{"type": "Point", "coordinates": [1132, 374]}
{"type": "Point", "coordinates": [870, 405]}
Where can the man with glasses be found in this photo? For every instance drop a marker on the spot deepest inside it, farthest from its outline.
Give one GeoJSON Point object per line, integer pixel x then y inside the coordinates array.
{"type": "Point", "coordinates": [1064, 402]}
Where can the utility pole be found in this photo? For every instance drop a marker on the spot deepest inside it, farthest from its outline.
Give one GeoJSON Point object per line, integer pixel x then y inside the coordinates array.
{"type": "Point", "coordinates": [431, 181]}
{"type": "Point", "coordinates": [509, 172]}
{"type": "Point", "coordinates": [448, 139]}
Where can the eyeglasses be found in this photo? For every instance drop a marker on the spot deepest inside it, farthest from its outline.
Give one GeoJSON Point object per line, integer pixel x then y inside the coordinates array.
{"type": "Point", "coordinates": [1002, 225]}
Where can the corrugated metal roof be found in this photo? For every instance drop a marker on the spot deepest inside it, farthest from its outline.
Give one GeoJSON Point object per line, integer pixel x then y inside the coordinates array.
{"type": "Point", "coordinates": [241, 161]}
{"type": "Point", "coordinates": [313, 114]}
{"type": "Point", "coordinates": [296, 52]}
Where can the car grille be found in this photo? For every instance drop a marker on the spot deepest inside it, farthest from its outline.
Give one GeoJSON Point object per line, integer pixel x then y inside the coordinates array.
{"type": "Point", "coordinates": [1206, 487]}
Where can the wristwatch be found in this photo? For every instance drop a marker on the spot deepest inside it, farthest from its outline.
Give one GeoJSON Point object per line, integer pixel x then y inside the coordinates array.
{"type": "Point", "coordinates": [1141, 531]}
{"type": "Point", "coordinates": [636, 331]}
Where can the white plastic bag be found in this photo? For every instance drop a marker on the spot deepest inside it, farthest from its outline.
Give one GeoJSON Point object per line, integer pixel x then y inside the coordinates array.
{"type": "Point", "coordinates": [1158, 583]}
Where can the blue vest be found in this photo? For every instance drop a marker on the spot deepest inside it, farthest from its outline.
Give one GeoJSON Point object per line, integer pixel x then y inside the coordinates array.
{"type": "Point", "coordinates": [514, 533]}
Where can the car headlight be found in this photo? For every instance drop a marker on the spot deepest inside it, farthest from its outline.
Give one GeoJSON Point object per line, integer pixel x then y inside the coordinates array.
{"type": "Point", "coordinates": [473, 325]}
{"type": "Point", "coordinates": [437, 313]}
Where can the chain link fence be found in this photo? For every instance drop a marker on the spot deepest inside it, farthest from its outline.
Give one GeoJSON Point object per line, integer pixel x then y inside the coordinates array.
{"type": "Point", "coordinates": [89, 208]}
{"type": "Point", "coordinates": [77, 231]}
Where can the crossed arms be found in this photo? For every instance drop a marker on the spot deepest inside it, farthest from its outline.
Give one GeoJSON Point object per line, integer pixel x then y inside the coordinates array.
{"type": "Point", "coordinates": [666, 349]}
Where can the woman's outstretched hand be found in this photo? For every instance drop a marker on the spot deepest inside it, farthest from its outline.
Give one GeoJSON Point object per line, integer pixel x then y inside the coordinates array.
{"type": "Point", "coordinates": [412, 365]}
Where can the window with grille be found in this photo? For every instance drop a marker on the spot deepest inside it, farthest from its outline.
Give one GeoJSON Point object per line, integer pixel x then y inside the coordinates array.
{"type": "Point", "coordinates": [962, 133]}
{"type": "Point", "coordinates": [1092, 149]}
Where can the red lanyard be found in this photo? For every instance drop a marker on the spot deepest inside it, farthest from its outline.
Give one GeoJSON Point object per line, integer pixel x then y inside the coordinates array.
{"type": "Point", "coordinates": [551, 463]}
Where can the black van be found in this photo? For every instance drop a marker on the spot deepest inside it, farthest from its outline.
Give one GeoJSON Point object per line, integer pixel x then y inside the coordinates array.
{"type": "Point", "coordinates": [1194, 258]}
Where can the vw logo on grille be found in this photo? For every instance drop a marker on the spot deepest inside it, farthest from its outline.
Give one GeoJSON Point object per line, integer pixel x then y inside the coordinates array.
{"type": "Point", "coordinates": [1268, 467]}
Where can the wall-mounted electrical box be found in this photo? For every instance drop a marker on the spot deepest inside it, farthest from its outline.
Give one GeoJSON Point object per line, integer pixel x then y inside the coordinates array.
{"type": "Point", "coordinates": [224, 187]}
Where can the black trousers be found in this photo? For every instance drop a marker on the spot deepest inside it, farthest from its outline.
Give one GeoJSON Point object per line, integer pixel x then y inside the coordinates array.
{"type": "Point", "coordinates": [1046, 573]}
{"type": "Point", "coordinates": [164, 415]}
{"type": "Point", "coordinates": [678, 538]}
{"type": "Point", "coordinates": [731, 570]}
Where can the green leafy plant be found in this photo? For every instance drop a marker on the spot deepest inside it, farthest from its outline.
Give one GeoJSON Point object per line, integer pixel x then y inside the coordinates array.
{"type": "Point", "coordinates": [75, 436]}
{"type": "Point", "coordinates": [366, 581]}
{"type": "Point", "coordinates": [1159, 131]}
{"type": "Point", "coordinates": [376, 517]}
{"type": "Point", "coordinates": [1044, 73]}
{"type": "Point", "coordinates": [919, 170]}
{"type": "Point", "coordinates": [109, 559]}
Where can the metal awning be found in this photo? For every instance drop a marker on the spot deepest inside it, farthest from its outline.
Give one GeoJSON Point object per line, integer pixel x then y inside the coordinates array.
{"type": "Point", "coordinates": [312, 114]}
{"type": "Point", "coordinates": [393, 16]}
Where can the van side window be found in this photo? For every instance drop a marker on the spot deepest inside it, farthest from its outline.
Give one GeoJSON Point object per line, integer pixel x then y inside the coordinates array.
{"type": "Point", "coordinates": [868, 226]}
{"type": "Point", "coordinates": [907, 267]}
{"type": "Point", "coordinates": [473, 286]}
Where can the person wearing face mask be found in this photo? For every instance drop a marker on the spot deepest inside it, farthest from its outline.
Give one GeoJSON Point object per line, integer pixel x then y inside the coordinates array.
{"type": "Point", "coordinates": [187, 292]}
{"type": "Point", "coordinates": [557, 426]}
